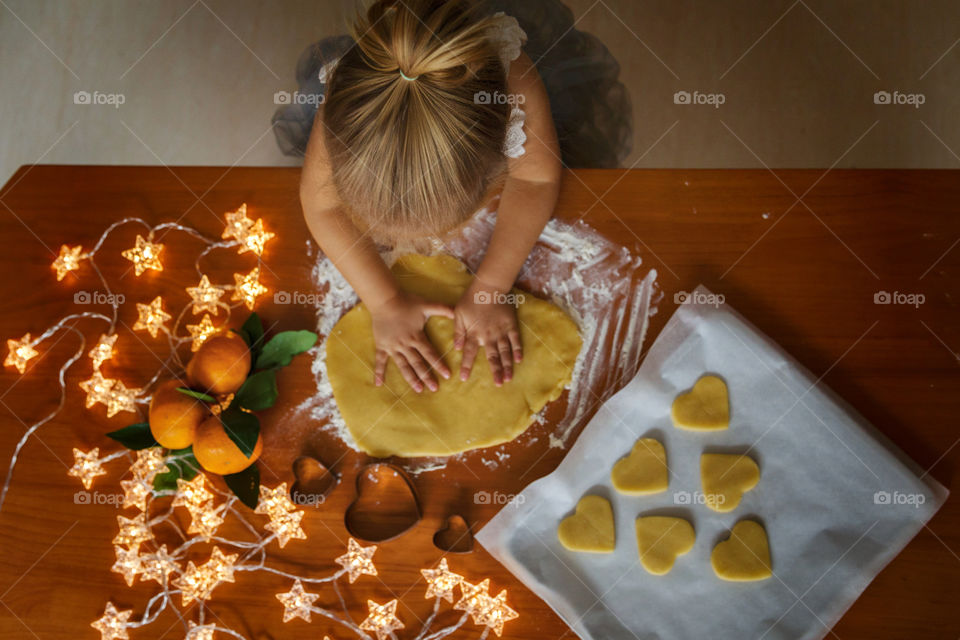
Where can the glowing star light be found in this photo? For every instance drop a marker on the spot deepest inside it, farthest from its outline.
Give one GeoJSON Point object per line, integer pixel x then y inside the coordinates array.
{"type": "Point", "coordinates": [68, 260]}
{"type": "Point", "coordinates": [441, 581]}
{"type": "Point", "coordinates": [148, 464]}
{"type": "Point", "coordinates": [103, 351]}
{"type": "Point", "coordinates": [248, 288]}
{"type": "Point", "coordinates": [357, 560]}
{"type": "Point", "coordinates": [127, 564]}
{"type": "Point", "coordinates": [20, 352]}
{"type": "Point", "coordinates": [256, 238]}
{"type": "Point", "coordinates": [200, 332]}
{"type": "Point", "coordinates": [497, 613]}
{"type": "Point", "coordinates": [145, 255]}
{"type": "Point", "coordinates": [133, 531]}
{"type": "Point", "coordinates": [286, 527]}
{"type": "Point", "coordinates": [205, 296]}
{"type": "Point", "coordinates": [158, 566]}
{"type": "Point", "coordinates": [198, 583]}
{"type": "Point", "coordinates": [238, 224]}
{"type": "Point", "coordinates": [297, 602]}
{"type": "Point", "coordinates": [152, 317]}
{"type": "Point", "coordinates": [119, 398]}
{"type": "Point", "coordinates": [274, 502]}
{"type": "Point", "coordinates": [200, 632]}
{"type": "Point", "coordinates": [97, 389]}
{"type": "Point", "coordinates": [86, 466]}
{"type": "Point", "coordinates": [135, 494]}
{"type": "Point", "coordinates": [193, 494]}
{"type": "Point", "coordinates": [205, 521]}
{"type": "Point", "coordinates": [475, 599]}
{"type": "Point", "coordinates": [382, 620]}
{"type": "Point", "coordinates": [113, 624]}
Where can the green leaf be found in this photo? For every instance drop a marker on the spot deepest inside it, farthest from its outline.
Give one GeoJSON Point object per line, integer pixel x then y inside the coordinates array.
{"type": "Point", "coordinates": [196, 394]}
{"type": "Point", "coordinates": [258, 392]}
{"type": "Point", "coordinates": [252, 333]}
{"type": "Point", "coordinates": [246, 485]}
{"type": "Point", "coordinates": [242, 427]}
{"type": "Point", "coordinates": [183, 465]}
{"type": "Point", "coordinates": [279, 351]}
{"type": "Point", "coordinates": [136, 436]}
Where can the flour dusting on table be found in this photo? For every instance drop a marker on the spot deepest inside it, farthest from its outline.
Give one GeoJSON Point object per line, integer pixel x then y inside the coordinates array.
{"type": "Point", "coordinates": [600, 284]}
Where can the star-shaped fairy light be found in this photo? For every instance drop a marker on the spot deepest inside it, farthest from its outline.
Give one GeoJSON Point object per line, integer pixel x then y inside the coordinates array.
{"type": "Point", "coordinates": [198, 583]}
{"type": "Point", "coordinates": [133, 531]}
{"type": "Point", "coordinates": [103, 351]}
{"type": "Point", "coordinates": [68, 260]}
{"type": "Point", "coordinates": [497, 613]}
{"type": "Point", "coordinates": [119, 398]}
{"type": "Point", "coordinates": [135, 494]}
{"type": "Point", "coordinates": [297, 602]}
{"type": "Point", "coordinates": [200, 332]}
{"type": "Point", "coordinates": [158, 566]}
{"type": "Point", "coordinates": [205, 296]}
{"type": "Point", "coordinates": [382, 620]}
{"type": "Point", "coordinates": [286, 527]}
{"type": "Point", "coordinates": [152, 317]}
{"type": "Point", "coordinates": [357, 560]}
{"type": "Point", "coordinates": [474, 600]}
{"type": "Point", "coordinates": [204, 521]}
{"type": "Point", "coordinates": [248, 288]}
{"type": "Point", "coordinates": [97, 389]}
{"type": "Point", "coordinates": [284, 516]}
{"type": "Point", "coordinates": [145, 255]}
{"type": "Point", "coordinates": [86, 466]}
{"type": "Point", "coordinates": [127, 564]}
{"type": "Point", "coordinates": [200, 632]}
{"type": "Point", "coordinates": [113, 624]}
{"type": "Point", "coordinates": [238, 224]}
{"type": "Point", "coordinates": [441, 581]}
{"type": "Point", "coordinates": [255, 238]}
{"type": "Point", "coordinates": [20, 352]}
{"type": "Point", "coordinates": [148, 464]}
{"type": "Point", "coordinates": [191, 494]}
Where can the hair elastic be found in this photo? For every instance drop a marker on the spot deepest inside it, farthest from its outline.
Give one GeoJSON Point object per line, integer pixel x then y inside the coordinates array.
{"type": "Point", "coordinates": [406, 77]}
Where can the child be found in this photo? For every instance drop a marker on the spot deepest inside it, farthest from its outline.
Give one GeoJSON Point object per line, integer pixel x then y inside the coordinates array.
{"type": "Point", "coordinates": [430, 111]}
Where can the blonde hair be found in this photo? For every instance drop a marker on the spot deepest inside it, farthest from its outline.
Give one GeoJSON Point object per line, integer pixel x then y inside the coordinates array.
{"type": "Point", "coordinates": [412, 150]}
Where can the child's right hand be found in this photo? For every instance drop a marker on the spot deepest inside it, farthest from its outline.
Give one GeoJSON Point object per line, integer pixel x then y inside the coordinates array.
{"type": "Point", "coordinates": [398, 333]}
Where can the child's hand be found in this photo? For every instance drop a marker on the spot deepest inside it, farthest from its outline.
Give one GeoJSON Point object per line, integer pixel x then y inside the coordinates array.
{"type": "Point", "coordinates": [484, 317]}
{"type": "Point", "coordinates": [398, 333]}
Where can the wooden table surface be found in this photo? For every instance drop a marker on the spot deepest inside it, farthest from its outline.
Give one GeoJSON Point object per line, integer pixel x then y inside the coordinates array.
{"type": "Point", "coordinates": [801, 254]}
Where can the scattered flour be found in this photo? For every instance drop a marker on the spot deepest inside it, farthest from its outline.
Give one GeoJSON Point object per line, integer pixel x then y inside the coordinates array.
{"type": "Point", "coordinates": [599, 283]}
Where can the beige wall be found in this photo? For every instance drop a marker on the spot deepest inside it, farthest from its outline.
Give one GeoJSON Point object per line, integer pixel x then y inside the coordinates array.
{"type": "Point", "coordinates": [198, 77]}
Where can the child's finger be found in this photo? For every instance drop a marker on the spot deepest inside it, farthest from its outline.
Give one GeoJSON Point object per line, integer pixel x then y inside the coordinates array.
{"type": "Point", "coordinates": [459, 334]}
{"type": "Point", "coordinates": [493, 357]}
{"type": "Point", "coordinates": [506, 358]}
{"type": "Point", "coordinates": [408, 373]}
{"type": "Point", "coordinates": [433, 358]}
{"type": "Point", "coordinates": [514, 336]}
{"type": "Point", "coordinates": [431, 309]}
{"type": "Point", "coordinates": [470, 348]}
{"type": "Point", "coordinates": [380, 367]}
{"type": "Point", "coordinates": [420, 367]}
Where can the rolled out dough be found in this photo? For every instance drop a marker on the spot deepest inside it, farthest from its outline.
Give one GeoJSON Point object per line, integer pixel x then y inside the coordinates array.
{"type": "Point", "coordinates": [394, 420]}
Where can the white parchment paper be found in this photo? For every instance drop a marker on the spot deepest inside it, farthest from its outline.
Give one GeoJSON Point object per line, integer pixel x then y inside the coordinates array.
{"type": "Point", "coordinates": [838, 501]}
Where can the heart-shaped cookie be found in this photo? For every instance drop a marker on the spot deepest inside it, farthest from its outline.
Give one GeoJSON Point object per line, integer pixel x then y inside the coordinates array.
{"type": "Point", "coordinates": [660, 540]}
{"type": "Point", "coordinates": [455, 536]}
{"type": "Point", "coordinates": [644, 471]}
{"type": "Point", "coordinates": [725, 478]}
{"type": "Point", "coordinates": [705, 407]}
{"type": "Point", "coordinates": [590, 528]}
{"type": "Point", "coordinates": [386, 504]}
{"type": "Point", "coordinates": [744, 556]}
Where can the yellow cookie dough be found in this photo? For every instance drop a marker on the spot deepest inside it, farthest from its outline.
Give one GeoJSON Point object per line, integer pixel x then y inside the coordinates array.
{"type": "Point", "coordinates": [660, 540]}
{"type": "Point", "coordinates": [725, 478]}
{"type": "Point", "coordinates": [590, 528]}
{"type": "Point", "coordinates": [703, 408]}
{"type": "Point", "coordinates": [394, 420]}
{"type": "Point", "coordinates": [644, 471]}
{"type": "Point", "coordinates": [745, 556]}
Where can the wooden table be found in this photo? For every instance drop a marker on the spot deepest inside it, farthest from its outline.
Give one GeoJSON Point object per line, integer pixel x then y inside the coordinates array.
{"type": "Point", "coordinates": [805, 272]}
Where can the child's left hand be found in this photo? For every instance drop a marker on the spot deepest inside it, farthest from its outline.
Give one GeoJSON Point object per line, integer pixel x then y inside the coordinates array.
{"type": "Point", "coordinates": [485, 317]}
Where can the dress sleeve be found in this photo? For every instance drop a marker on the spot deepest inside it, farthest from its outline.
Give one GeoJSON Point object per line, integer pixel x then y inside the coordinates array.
{"type": "Point", "coordinates": [509, 39]}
